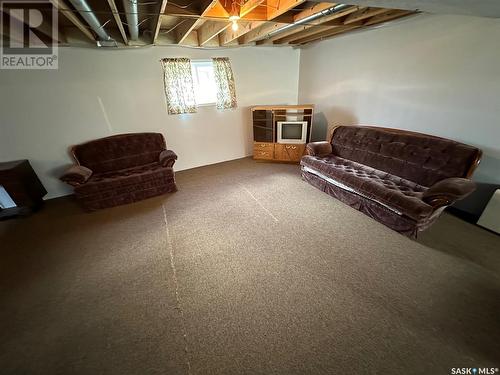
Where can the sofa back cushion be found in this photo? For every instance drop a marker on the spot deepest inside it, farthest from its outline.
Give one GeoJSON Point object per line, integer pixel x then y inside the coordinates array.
{"type": "Point", "coordinates": [420, 158]}
{"type": "Point", "coordinates": [119, 151]}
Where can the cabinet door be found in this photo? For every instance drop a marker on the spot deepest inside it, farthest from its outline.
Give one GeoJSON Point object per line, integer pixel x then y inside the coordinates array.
{"type": "Point", "coordinates": [262, 126]}
{"type": "Point", "coordinates": [288, 152]}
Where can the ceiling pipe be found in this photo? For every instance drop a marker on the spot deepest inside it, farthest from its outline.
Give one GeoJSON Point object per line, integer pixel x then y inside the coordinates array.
{"type": "Point", "coordinates": [313, 17]}
{"type": "Point", "coordinates": [83, 8]}
{"type": "Point", "coordinates": [132, 15]}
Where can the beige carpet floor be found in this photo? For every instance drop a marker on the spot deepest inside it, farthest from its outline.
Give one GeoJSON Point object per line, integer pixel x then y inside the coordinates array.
{"type": "Point", "coordinates": [245, 270]}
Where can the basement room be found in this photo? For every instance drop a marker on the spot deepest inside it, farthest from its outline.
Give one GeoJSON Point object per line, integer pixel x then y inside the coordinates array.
{"type": "Point", "coordinates": [249, 187]}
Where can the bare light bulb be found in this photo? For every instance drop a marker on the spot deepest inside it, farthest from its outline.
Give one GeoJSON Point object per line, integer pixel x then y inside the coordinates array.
{"type": "Point", "coordinates": [234, 26]}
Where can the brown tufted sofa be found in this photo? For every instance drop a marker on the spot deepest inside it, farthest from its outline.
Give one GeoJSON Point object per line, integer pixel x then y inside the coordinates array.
{"type": "Point", "coordinates": [400, 178]}
{"type": "Point", "coordinates": [121, 169]}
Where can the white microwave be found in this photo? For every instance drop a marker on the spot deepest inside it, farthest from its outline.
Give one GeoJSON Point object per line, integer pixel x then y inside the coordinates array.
{"type": "Point", "coordinates": [292, 131]}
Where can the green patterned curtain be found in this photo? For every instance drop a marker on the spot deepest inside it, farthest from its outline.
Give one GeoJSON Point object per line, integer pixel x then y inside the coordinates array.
{"type": "Point", "coordinates": [179, 88]}
{"type": "Point", "coordinates": [224, 81]}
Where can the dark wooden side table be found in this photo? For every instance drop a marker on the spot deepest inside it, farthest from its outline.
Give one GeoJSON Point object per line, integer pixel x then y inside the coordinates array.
{"type": "Point", "coordinates": [23, 186]}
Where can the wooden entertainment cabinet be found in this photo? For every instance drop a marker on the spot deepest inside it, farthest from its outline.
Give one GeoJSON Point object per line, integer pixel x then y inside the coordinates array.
{"type": "Point", "coordinates": [265, 139]}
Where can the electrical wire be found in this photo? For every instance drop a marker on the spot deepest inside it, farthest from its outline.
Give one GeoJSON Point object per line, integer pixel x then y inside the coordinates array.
{"type": "Point", "coordinates": [181, 6]}
{"type": "Point", "coordinates": [173, 28]}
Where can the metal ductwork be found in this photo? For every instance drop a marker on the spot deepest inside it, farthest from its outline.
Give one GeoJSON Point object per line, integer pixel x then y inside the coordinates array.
{"type": "Point", "coordinates": [313, 17]}
{"type": "Point", "coordinates": [131, 13]}
{"type": "Point", "coordinates": [88, 15]}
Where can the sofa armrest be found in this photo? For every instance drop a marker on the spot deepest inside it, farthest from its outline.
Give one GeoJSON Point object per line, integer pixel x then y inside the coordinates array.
{"type": "Point", "coordinates": [76, 175]}
{"type": "Point", "coordinates": [447, 191]}
{"type": "Point", "coordinates": [167, 158]}
{"type": "Point", "coordinates": [319, 148]}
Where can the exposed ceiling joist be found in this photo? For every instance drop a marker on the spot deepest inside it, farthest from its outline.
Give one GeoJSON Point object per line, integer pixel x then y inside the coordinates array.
{"type": "Point", "coordinates": [275, 9]}
{"type": "Point", "coordinates": [189, 25]}
{"type": "Point", "coordinates": [390, 15]}
{"type": "Point", "coordinates": [331, 20]}
{"type": "Point", "coordinates": [210, 30]}
{"type": "Point", "coordinates": [156, 28]}
{"type": "Point", "coordinates": [483, 8]}
{"type": "Point", "coordinates": [217, 11]}
{"type": "Point", "coordinates": [261, 32]}
{"type": "Point", "coordinates": [116, 16]}
{"type": "Point", "coordinates": [363, 13]}
{"type": "Point", "coordinates": [185, 27]}
{"type": "Point", "coordinates": [316, 8]}
{"type": "Point", "coordinates": [335, 16]}
{"type": "Point", "coordinates": [192, 40]}
{"type": "Point", "coordinates": [68, 13]}
{"type": "Point", "coordinates": [244, 27]}
{"type": "Point", "coordinates": [249, 6]}
{"type": "Point", "coordinates": [323, 28]}
{"type": "Point", "coordinates": [352, 16]}
{"type": "Point", "coordinates": [284, 34]}
{"type": "Point", "coordinates": [321, 35]}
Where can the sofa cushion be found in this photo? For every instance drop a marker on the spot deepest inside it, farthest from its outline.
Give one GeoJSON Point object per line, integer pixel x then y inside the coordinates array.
{"type": "Point", "coordinates": [126, 180]}
{"type": "Point", "coordinates": [396, 193]}
{"type": "Point", "coordinates": [420, 158]}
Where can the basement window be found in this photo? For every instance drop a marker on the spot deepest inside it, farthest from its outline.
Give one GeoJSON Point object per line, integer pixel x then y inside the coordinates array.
{"type": "Point", "coordinates": [204, 82]}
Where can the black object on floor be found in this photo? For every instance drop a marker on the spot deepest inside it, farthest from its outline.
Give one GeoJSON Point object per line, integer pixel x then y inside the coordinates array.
{"type": "Point", "coordinates": [22, 184]}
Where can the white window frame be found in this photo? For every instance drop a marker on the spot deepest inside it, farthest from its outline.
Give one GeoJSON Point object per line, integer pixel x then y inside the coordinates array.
{"type": "Point", "coordinates": [195, 81]}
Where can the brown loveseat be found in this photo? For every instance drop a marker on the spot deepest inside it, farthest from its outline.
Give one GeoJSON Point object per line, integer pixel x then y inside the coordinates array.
{"type": "Point", "coordinates": [121, 169]}
{"type": "Point", "coordinates": [400, 178]}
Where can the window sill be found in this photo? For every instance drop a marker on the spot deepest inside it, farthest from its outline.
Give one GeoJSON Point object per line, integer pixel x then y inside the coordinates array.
{"type": "Point", "coordinates": [206, 105]}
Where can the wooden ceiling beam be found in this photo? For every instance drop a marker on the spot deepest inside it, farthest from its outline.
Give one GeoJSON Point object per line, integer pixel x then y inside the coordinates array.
{"type": "Point", "coordinates": [183, 30]}
{"type": "Point", "coordinates": [281, 7]}
{"type": "Point", "coordinates": [217, 11]}
{"type": "Point", "coordinates": [118, 21]}
{"type": "Point", "coordinates": [472, 8]}
{"type": "Point", "coordinates": [320, 29]}
{"type": "Point", "coordinates": [364, 13]}
{"type": "Point", "coordinates": [62, 7]}
{"type": "Point", "coordinates": [243, 27]}
{"type": "Point", "coordinates": [334, 16]}
{"type": "Point", "coordinates": [276, 8]}
{"type": "Point", "coordinates": [325, 34]}
{"type": "Point", "coordinates": [157, 26]}
{"type": "Point", "coordinates": [261, 32]}
{"type": "Point", "coordinates": [257, 14]}
{"type": "Point", "coordinates": [284, 34]}
{"type": "Point", "coordinates": [390, 15]}
{"type": "Point", "coordinates": [330, 20]}
{"type": "Point", "coordinates": [249, 6]}
{"type": "Point", "coordinates": [210, 30]}
{"type": "Point", "coordinates": [316, 8]}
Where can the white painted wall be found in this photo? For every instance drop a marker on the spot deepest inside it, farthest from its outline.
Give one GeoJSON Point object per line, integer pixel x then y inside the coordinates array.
{"type": "Point", "coordinates": [435, 74]}
{"type": "Point", "coordinates": [96, 93]}
{"type": "Point", "coordinates": [430, 73]}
